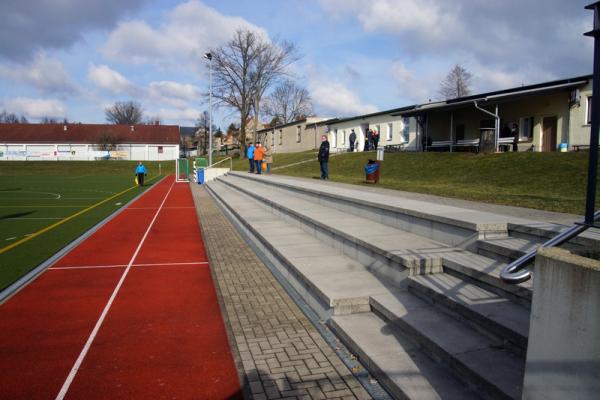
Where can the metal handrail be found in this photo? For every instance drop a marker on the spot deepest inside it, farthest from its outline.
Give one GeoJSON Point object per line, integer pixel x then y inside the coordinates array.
{"type": "Point", "coordinates": [515, 272]}
{"type": "Point", "coordinates": [223, 160]}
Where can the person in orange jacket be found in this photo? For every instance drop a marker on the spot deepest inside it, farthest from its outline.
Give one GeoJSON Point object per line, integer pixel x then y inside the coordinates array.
{"type": "Point", "coordinates": [259, 154]}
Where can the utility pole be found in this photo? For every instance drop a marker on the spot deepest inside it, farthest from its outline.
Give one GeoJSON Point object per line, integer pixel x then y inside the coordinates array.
{"type": "Point", "coordinates": [593, 159]}
{"type": "Point", "coordinates": [208, 56]}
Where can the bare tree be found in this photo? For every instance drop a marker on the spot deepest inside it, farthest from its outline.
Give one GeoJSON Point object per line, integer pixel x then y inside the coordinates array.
{"type": "Point", "coordinates": [243, 69]}
{"type": "Point", "coordinates": [288, 102]}
{"type": "Point", "coordinates": [203, 132]}
{"type": "Point", "coordinates": [124, 113]}
{"type": "Point", "coordinates": [457, 83]}
{"type": "Point", "coordinates": [107, 141]}
{"type": "Point", "coordinates": [271, 63]}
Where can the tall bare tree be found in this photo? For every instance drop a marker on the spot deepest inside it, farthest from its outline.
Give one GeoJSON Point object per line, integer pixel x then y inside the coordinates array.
{"type": "Point", "coordinates": [202, 132]}
{"type": "Point", "coordinates": [124, 113]}
{"type": "Point", "coordinates": [288, 102]}
{"type": "Point", "coordinates": [271, 64]}
{"type": "Point", "coordinates": [243, 69]}
{"type": "Point", "coordinates": [456, 84]}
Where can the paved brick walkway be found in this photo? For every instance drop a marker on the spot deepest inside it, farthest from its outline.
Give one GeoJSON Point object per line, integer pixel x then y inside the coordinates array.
{"type": "Point", "coordinates": [278, 350]}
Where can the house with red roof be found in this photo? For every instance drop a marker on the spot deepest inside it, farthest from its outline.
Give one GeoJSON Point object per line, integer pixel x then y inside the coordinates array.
{"type": "Point", "coordinates": [88, 142]}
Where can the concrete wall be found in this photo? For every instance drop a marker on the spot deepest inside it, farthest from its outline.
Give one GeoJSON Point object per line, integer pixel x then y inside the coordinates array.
{"type": "Point", "coordinates": [579, 129]}
{"type": "Point", "coordinates": [340, 132]}
{"type": "Point", "coordinates": [563, 357]}
{"type": "Point", "coordinates": [285, 139]}
{"type": "Point", "coordinates": [73, 152]}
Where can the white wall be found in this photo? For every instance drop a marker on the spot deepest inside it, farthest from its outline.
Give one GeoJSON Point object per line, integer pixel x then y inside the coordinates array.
{"type": "Point", "coordinates": [71, 152]}
{"type": "Point", "coordinates": [382, 121]}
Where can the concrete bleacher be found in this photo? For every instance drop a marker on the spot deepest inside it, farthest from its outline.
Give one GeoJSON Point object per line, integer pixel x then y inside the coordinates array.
{"type": "Point", "coordinates": [412, 287]}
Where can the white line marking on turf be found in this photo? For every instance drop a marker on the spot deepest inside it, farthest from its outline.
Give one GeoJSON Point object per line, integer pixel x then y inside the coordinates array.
{"type": "Point", "coordinates": [65, 388]}
{"type": "Point", "coordinates": [133, 265]}
{"type": "Point", "coordinates": [11, 238]}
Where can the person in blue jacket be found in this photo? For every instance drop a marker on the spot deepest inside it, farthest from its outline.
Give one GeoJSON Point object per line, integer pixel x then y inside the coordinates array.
{"type": "Point", "coordinates": [140, 172]}
{"type": "Point", "coordinates": [250, 156]}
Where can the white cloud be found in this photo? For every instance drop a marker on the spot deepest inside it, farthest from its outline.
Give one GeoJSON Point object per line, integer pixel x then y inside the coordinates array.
{"type": "Point", "coordinates": [35, 108]}
{"type": "Point", "coordinates": [334, 98]}
{"type": "Point", "coordinates": [189, 115]}
{"type": "Point", "coordinates": [187, 33]}
{"type": "Point", "coordinates": [110, 80]}
{"type": "Point", "coordinates": [48, 75]}
{"type": "Point", "coordinates": [175, 90]}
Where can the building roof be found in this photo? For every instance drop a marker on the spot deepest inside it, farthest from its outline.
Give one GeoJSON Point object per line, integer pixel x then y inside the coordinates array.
{"type": "Point", "coordinates": [307, 121]}
{"type": "Point", "coordinates": [498, 96]}
{"type": "Point", "coordinates": [375, 114]}
{"type": "Point", "coordinates": [88, 133]}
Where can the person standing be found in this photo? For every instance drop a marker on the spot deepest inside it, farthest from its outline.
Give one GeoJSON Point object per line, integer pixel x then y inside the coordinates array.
{"type": "Point", "coordinates": [375, 139]}
{"type": "Point", "coordinates": [259, 153]}
{"type": "Point", "coordinates": [250, 157]}
{"type": "Point", "coordinates": [352, 140]}
{"type": "Point", "coordinates": [514, 131]}
{"type": "Point", "coordinates": [140, 173]}
{"type": "Point", "coordinates": [368, 140]}
{"type": "Point", "coordinates": [324, 157]}
{"type": "Point", "coordinates": [268, 158]}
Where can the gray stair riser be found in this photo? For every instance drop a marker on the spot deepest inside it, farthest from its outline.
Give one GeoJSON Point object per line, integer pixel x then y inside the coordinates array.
{"type": "Point", "coordinates": [583, 241]}
{"type": "Point", "coordinates": [386, 265]}
{"type": "Point", "coordinates": [368, 362]}
{"type": "Point", "coordinates": [499, 253]}
{"type": "Point", "coordinates": [515, 293]}
{"type": "Point", "coordinates": [276, 263]}
{"type": "Point", "coordinates": [462, 371]}
{"type": "Point", "coordinates": [443, 230]}
{"type": "Point", "coordinates": [588, 250]}
{"type": "Point", "coordinates": [482, 324]}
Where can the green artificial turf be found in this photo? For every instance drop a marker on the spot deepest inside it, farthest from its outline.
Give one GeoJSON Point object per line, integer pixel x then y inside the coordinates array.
{"type": "Point", "coordinates": [36, 195]}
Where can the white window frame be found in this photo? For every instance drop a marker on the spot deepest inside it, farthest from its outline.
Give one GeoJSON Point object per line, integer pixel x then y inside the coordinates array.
{"type": "Point", "coordinates": [299, 134]}
{"type": "Point", "coordinates": [281, 137]}
{"type": "Point", "coordinates": [344, 137]}
{"type": "Point", "coordinates": [390, 131]}
{"type": "Point", "coordinates": [588, 110]}
{"type": "Point", "coordinates": [405, 129]}
{"type": "Point", "coordinates": [522, 136]}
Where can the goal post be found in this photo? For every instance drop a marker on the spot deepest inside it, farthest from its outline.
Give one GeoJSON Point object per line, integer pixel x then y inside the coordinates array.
{"type": "Point", "coordinates": [182, 170]}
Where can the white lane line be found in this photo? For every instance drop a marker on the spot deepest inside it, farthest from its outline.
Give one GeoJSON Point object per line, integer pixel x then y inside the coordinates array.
{"type": "Point", "coordinates": [164, 208]}
{"type": "Point", "coordinates": [133, 265]}
{"type": "Point", "coordinates": [65, 388]}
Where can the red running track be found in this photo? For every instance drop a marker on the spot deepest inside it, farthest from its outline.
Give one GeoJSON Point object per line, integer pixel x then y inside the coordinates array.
{"type": "Point", "coordinates": [162, 334]}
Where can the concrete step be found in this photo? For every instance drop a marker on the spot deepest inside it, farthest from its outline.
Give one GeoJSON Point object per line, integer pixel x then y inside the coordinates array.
{"type": "Point", "coordinates": [475, 358]}
{"type": "Point", "coordinates": [541, 232]}
{"type": "Point", "coordinates": [450, 225]}
{"type": "Point", "coordinates": [490, 312]}
{"type": "Point", "coordinates": [505, 249]}
{"type": "Point", "coordinates": [332, 283]}
{"type": "Point", "coordinates": [485, 272]}
{"type": "Point", "coordinates": [396, 362]}
{"type": "Point", "coordinates": [383, 249]}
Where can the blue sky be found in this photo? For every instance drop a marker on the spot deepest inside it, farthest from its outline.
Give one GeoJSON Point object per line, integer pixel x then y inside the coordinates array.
{"type": "Point", "coordinates": [72, 58]}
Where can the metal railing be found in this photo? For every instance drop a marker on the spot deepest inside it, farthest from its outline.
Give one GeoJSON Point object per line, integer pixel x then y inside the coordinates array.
{"type": "Point", "coordinates": [223, 160]}
{"type": "Point", "coordinates": [515, 272]}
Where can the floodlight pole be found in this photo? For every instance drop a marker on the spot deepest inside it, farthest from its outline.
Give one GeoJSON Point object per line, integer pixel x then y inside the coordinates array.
{"type": "Point", "coordinates": [593, 158]}
{"type": "Point", "coordinates": [209, 57]}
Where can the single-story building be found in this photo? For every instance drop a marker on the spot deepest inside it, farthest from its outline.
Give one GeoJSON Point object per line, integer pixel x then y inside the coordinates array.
{"type": "Point", "coordinates": [88, 142]}
{"type": "Point", "coordinates": [294, 136]}
{"type": "Point", "coordinates": [535, 117]}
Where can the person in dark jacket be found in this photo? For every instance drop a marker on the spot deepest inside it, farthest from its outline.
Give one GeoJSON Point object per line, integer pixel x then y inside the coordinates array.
{"type": "Point", "coordinates": [375, 136]}
{"type": "Point", "coordinates": [324, 157]}
{"type": "Point", "coordinates": [140, 172]}
{"type": "Point", "coordinates": [352, 140]}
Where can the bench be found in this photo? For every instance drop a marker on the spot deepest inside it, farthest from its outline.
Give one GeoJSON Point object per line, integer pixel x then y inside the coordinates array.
{"type": "Point", "coordinates": [440, 144]}
{"type": "Point", "coordinates": [578, 147]}
{"type": "Point", "coordinates": [393, 148]}
{"type": "Point", "coordinates": [474, 143]}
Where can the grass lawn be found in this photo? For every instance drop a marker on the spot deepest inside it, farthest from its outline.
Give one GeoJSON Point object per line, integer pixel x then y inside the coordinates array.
{"type": "Point", "coordinates": [545, 181]}
{"type": "Point", "coordinates": [36, 195]}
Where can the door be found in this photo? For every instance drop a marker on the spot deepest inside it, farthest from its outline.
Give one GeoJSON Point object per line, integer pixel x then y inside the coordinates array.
{"type": "Point", "coordinates": [549, 134]}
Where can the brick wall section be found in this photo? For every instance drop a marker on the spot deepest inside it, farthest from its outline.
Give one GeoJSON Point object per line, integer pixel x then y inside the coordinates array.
{"type": "Point", "coordinates": [280, 352]}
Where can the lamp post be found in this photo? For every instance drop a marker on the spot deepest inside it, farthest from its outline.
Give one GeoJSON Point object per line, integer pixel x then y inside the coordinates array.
{"type": "Point", "coordinates": [208, 56]}
{"type": "Point", "coordinates": [593, 159]}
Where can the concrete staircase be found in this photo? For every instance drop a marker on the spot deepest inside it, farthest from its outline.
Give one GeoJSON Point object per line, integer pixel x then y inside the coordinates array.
{"type": "Point", "coordinates": [411, 287]}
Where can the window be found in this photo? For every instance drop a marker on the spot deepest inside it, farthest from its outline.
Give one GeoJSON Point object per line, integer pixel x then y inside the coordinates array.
{"type": "Point", "coordinates": [298, 134]}
{"type": "Point", "coordinates": [389, 132]}
{"type": "Point", "coordinates": [334, 139]}
{"type": "Point", "coordinates": [273, 138]}
{"type": "Point", "coordinates": [588, 114]}
{"type": "Point", "coordinates": [280, 137]}
{"type": "Point", "coordinates": [526, 129]}
{"type": "Point", "coordinates": [343, 137]}
{"type": "Point", "coordinates": [405, 129]}
{"type": "Point", "coordinates": [160, 150]}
